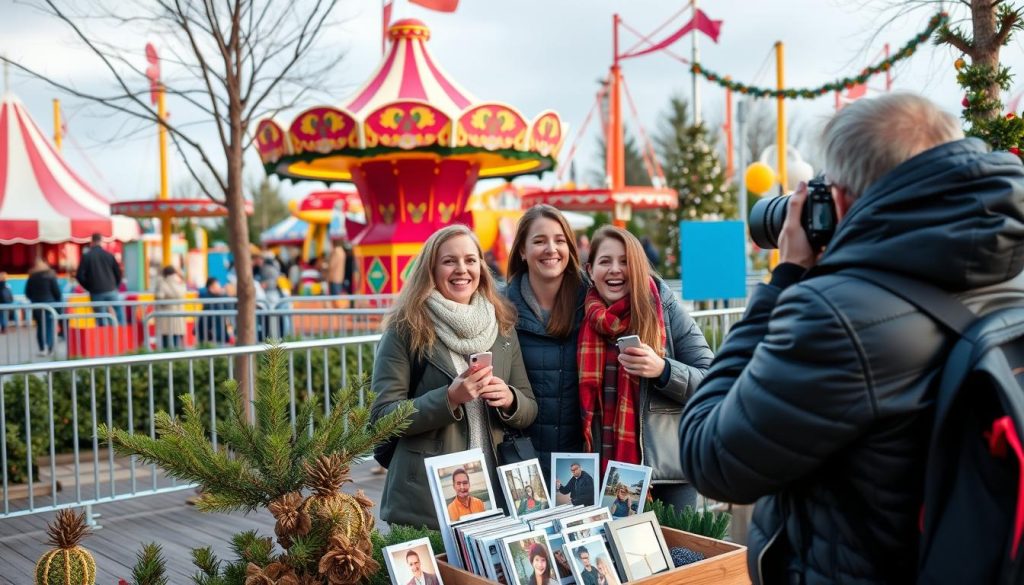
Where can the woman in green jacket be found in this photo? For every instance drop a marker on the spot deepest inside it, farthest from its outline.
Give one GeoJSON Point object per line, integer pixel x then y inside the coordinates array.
{"type": "Point", "coordinates": [448, 310]}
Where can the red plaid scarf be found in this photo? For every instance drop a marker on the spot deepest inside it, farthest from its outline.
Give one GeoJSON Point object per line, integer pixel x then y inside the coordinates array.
{"type": "Point", "coordinates": [601, 326]}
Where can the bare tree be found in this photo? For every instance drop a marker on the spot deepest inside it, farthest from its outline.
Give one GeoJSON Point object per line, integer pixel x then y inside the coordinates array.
{"type": "Point", "coordinates": [232, 63]}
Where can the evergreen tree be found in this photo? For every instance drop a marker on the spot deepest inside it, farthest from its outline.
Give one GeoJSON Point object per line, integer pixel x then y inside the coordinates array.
{"type": "Point", "coordinates": [268, 208]}
{"type": "Point", "coordinates": [691, 166]}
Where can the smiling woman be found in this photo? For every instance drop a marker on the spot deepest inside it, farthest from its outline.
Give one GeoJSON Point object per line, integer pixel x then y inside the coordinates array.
{"type": "Point", "coordinates": [448, 310]}
{"type": "Point", "coordinates": [632, 400]}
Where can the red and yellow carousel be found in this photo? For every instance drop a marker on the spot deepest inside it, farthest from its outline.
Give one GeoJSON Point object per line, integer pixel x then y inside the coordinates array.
{"type": "Point", "coordinates": [414, 143]}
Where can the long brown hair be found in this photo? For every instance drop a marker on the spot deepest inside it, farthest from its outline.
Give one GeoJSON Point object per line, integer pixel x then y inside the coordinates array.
{"type": "Point", "coordinates": [409, 315]}
{"type": "Point", "coordinates": [643, 314]}
{"type": "Point", "coordinates": [563, 313]}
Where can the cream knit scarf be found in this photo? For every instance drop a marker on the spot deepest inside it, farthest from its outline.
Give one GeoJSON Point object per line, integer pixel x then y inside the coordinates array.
{"type": "Point", "coordinates": [464, 329]}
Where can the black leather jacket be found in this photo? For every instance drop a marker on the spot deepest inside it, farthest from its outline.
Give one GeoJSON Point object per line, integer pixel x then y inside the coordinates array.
{"type": "Point", "coordinates": [819, 405]}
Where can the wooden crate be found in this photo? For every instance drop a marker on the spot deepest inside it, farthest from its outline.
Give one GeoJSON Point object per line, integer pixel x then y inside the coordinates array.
{"type": "Point", "coordinates": [725, 563]}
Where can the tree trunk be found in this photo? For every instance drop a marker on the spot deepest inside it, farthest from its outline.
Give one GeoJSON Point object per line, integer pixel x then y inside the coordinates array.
{"type": "Point", "coordinates": [986, 48]}
{"type": "Point", "coordinates": [238, 228]}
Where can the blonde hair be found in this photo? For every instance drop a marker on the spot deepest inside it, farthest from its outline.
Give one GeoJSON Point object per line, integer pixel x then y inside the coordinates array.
{"type": "Point", "coordinates": [643, 320]}
{"type": "Point", "coordinates": [409, 316]}
{"type": "Point", "coordinates": [563, 313]}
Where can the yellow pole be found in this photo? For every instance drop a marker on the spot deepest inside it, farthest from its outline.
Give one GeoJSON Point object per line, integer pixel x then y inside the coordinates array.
{"type": "Point", "coordinates": [57, 136]}
{"type": "Point", "coordinates": [781, 123]}
{"type": "Point", "coordinates": [165, 220]}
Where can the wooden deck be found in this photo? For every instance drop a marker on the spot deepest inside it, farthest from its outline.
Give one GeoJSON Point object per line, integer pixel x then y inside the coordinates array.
{"type": "Point", "coordinates": [165, 519]}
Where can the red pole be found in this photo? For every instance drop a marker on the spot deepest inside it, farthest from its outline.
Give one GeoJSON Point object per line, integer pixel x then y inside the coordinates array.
{"type": "Point", "coordinates": [888, 72]}
{"type": "Point", "coordinates": [615, 158]}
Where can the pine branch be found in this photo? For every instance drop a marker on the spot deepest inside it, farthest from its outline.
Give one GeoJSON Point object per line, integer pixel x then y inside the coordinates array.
{"type": "Point", "coordinates": [956, 38]}
{"type": "Point", "coordinates": [150, 566]}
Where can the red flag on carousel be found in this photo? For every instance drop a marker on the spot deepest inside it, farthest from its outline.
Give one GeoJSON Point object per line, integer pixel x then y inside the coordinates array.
{"type": "Point", "coordinates": [712, 28]}
{"type": "Point", "coordinates": [438, 5]}
{"type": "Point", "coordinates": [387, 24]}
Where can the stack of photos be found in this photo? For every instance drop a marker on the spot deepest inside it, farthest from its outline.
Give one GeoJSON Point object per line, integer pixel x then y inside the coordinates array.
{"type": "Point", "coordinates": [412, 563]}
{"type": "Point", "coordinates": [524, 488]}
{"type": "Point", "coordinates": [548, 536]}
{"type": "Point", "coordinates": [461, 488]}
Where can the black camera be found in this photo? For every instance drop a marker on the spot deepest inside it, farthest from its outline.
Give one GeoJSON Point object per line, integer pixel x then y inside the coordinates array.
{"type": "Point", "coordinates": [819, 216]}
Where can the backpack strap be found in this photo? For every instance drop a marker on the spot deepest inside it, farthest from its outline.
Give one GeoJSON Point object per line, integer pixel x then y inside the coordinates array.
{"type": "Point", "coordinates": [941, 305]}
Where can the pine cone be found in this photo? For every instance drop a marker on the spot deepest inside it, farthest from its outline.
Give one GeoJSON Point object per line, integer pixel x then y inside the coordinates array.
{"type": "Point", "coordinates": [327, 474]}
{"type": "Point", "coordinates": [275, 573]}
{"type": "Point", "coordinates": [254, 575]}
{"type": "Point", "coordinates": [292, 518]}
{"type": "Point", "coordinates": [345, 563]}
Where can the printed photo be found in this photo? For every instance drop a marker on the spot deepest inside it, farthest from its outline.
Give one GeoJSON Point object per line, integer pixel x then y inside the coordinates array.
{"type": "Point", "coordinates": [572, 478]}
{"type": "Point", "coordinates": [624, 490]}
{"type": "Point", "coordinates": [529, 559]}
{"type": "Point", "coordinates": [412, 563]}
{"type": "Point", "coordinates": [591, 562]}
{"type": "Point", "coordinates": [464, 484]}
{"type": "Point", "coordinates": [524, 488]}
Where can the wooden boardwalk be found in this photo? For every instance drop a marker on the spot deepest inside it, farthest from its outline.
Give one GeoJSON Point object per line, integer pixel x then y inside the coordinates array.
{"type": "Point", "coordinates": [165, 519]}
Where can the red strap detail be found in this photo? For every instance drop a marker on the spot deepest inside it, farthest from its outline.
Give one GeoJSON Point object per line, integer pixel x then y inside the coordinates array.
{"type": "Point", "coordinates": [920, 520]}
{"type": "Point", "coordinates": [1004, 434]}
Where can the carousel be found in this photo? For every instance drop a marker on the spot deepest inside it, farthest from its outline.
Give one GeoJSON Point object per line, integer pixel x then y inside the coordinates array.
{"type": "Point", "coordinates": [414, 143]}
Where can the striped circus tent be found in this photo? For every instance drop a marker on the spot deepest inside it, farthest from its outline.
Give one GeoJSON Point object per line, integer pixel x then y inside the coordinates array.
{"type": "Point", "coordinates": [41, 199]}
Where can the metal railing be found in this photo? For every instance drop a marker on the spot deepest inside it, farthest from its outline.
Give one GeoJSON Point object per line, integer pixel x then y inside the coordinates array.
{"type": "Point", "coordinates": [51, 456]}
{"type": "Point", "coordinates": [83, 330]}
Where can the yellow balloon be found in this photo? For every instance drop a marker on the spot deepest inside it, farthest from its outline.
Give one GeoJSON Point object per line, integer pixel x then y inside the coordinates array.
{"type": "Point", "coordinates": [760, 178]}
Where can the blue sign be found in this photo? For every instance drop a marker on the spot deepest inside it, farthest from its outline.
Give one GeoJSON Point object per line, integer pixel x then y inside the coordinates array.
{"type": "Point", "coordinates": [713, 260]}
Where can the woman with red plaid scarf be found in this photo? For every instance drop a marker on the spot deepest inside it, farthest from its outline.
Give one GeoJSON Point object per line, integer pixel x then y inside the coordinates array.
{"type": "Point", "coordinates": [632, 401]}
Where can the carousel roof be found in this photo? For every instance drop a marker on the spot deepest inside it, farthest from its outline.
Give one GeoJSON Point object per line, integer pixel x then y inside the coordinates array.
{"type": "Point", "coordinates": [41, 198]}
{"type": "Point", "coordinates": [409, 105]}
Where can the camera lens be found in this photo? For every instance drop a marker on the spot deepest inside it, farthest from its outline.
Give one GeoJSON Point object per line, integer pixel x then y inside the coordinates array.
{"type": "Point", "coordinates": [766, 218]}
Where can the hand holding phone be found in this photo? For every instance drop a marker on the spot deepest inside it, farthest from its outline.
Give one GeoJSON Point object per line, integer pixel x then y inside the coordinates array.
{"type": "Point", "coordinates": [480, 360]}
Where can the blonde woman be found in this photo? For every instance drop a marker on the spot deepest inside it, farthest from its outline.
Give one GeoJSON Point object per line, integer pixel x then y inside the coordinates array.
{"type": "Point", "coordinates": [448, 310]}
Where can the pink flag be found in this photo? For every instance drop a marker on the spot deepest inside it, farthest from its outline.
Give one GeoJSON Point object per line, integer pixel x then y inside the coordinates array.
{"type": "Point", "coordinates": [387, 24]}
{"type": "Point", "coordinates": [856, 92]}
{"type": "Point", "coordinates": [153, 71]}
{"type": "Point", "coordinates": [700, 22]}
{"type": "Point", "coordinates": [438, 5]}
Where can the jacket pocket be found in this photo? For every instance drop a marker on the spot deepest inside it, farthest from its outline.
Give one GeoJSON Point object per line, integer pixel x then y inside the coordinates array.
{"type": "Point", "coordinates": [417, 449]}
{"type": "Point", "coordinates": [661, 405]}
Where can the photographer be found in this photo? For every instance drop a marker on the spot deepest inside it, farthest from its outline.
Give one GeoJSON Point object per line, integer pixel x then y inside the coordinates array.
{"type": "Point", "coordinates": [820, 402]}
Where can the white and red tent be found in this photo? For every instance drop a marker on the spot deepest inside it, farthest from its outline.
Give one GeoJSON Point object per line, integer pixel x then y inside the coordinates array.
{"type": "Point", "coordinates": [41, 199]}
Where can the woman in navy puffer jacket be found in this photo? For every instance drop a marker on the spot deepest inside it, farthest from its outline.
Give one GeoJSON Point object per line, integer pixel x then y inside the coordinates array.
{"type": "Point", "coordinates": [547, 288]}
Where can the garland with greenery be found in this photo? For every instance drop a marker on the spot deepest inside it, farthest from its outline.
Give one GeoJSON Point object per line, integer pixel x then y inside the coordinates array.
{"type": "Point", "coordinates": [936, 21]}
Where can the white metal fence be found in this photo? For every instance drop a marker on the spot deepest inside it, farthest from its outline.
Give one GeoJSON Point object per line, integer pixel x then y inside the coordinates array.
{"type": "Point", "coordinates": [51, 456]}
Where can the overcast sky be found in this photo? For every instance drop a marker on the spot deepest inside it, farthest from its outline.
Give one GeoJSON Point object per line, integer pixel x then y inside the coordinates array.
{"type": "Point", "coordinates": [532, 54]}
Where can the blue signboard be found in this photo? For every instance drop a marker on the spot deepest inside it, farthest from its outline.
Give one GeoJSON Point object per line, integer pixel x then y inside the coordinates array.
{"type": "Point", "coordinates": [712, 260]}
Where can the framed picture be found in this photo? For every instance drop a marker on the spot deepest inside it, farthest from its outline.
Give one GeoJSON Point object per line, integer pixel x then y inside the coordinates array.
{"type": "Point", "coordinates": [462, 486]}
{"type": "Point", "coordinates": [624, 489]}
{"type": "Point", "coordinates": [412, 563]}
{"type": "Point", "coordinates": [639, 546]}
{"type": "Point", "coordinates": [590, 561]}
{"type": "Point", "coordinates": [592, 514]}
{"type": "Point", "coordinates": [528, 559]}
{"type": "Point", "coordinates": [572, 478]}
{"type": "Point", "coordinates": [524, 488]}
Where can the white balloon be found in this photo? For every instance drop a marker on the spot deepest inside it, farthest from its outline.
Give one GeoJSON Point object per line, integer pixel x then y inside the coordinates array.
{"type": "Point", "coordinates": [796, 172]}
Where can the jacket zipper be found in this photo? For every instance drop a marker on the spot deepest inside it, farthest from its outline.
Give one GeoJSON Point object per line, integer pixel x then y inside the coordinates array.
{"type": "Point", "coordinates": [760, 555]}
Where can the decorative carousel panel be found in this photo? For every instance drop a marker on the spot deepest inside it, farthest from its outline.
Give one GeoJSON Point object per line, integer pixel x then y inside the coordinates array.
{"type": "Point", "coordinates": [491, 127]}
{"type": "Point", "coordinates": [270, 140]}
{"type": "Point", "coordinates": [407, 125]}
{"type": "Point", "coordinates": [323, 129]}
{"type": "Point", "coordinates": [546, 134]}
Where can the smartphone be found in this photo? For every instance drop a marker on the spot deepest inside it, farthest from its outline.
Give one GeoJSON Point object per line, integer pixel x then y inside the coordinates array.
{"type": "Point", "coordinates": [628, 341]}
{"type": "Point", "coordinates": [482, 359]}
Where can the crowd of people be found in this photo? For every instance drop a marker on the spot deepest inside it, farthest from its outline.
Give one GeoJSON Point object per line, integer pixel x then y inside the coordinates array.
{"type": "Point", "coordinates": [820, 402]}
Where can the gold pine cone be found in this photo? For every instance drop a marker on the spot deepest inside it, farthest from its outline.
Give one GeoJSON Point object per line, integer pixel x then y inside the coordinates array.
{"type": "Point", "coordinates": [290, 513]}
{"type": "Point", "coordinates": [327, 474]}
{"type": "Point", "coordinates": [346, 563]}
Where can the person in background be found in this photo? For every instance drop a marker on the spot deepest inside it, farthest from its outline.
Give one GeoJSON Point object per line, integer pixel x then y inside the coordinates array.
{"type": "Point", "coordinates": [6, 298]}
{"type": "Point", "coordinates": [448, 310]}
{"type": "Point", "coordinates": [213, 328]}
{"type": "Point", "coordinates": [546, 287]}
{"type": "Point", "coordinates": [42, 288]}
{"type": "Point", "coordinates": [583, 245]}
{"type": "Point", "coordinates": [171, 330]}
{"type": "Point", "coordinates": [651, 252]}
{"type": "Point", "coordinates": [100, 275]}
{"type": "Point", "coordinates": [336, 270]}
{"type": "Point", "coordinates": [632, 397]}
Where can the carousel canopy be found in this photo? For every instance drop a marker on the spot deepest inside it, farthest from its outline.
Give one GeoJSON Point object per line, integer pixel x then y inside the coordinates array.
{"type": "Point", "coordinates": [409, 105]}
{"type": "Point", "coordinates": [41, 198]}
